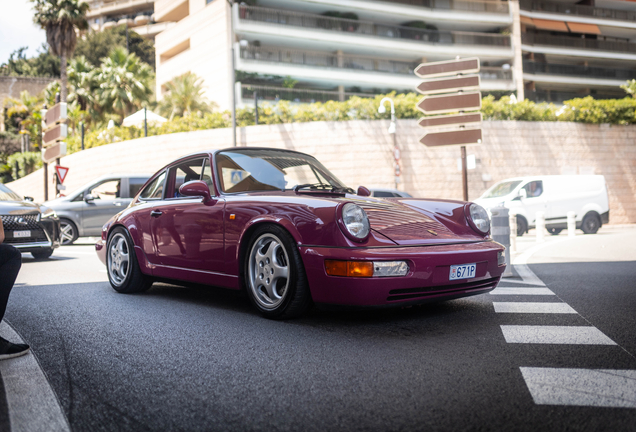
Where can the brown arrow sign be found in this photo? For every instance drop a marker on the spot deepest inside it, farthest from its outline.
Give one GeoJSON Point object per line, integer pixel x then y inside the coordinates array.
{"type": "Point", "coordinates": [437, 69]}
{"type": "Point", "coordinates": [56, 114]}
{"type": "Point", "coordinates": [54, 134]}
{"type": "Point", "coordinates": [458, 137]}
{"type": "Point", "coordinates": [53, 152]}
{"type": "Point", "coordinates": [448, 85]}
{"type": "Point", "coordinates": [450, 103]}
{"type": "Point", "coordinates": [451, 120]}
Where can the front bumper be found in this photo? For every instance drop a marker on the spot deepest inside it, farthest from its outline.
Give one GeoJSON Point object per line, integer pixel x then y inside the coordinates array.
{"type": "Point", "coordinates": [46, 235]}
{"type": "Point", "coordinates": [427, 280]}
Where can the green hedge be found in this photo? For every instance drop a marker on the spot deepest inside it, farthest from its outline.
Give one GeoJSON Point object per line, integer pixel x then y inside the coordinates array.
{"type": "Point", "coordinates": [27, 163]}
{"type": "Point", "coordinates": [585, 110]}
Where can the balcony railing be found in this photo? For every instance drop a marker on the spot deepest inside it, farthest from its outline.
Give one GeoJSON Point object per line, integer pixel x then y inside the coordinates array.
{"type": "Point", "coordinates": [578, 71]}
{"type": "Point", "coordinates": [581, 10]}
{"type": "Point", "coordinates": [274, 94]}
{"type": "Point", "coordinates": [560, 97]}
{"type": "Point", "coordinates": [328, 60]}
{"type": "Point", "coordinates": [460, 5]}
{"type": "Point", "coordinates": [574, 42]}
{"type": "Point", "coordinates": [320, 22]}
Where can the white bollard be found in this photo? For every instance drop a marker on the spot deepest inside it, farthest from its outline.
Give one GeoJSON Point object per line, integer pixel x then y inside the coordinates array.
{"type": "Point", "coordinates": [540, 226]}
{"type": "Point", "coordinates": [513, 232]}
{"type": "Point", "coordinates": [571, 224]}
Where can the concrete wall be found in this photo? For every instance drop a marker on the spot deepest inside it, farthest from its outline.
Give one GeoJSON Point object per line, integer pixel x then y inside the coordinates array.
{"type": "Point", "coordinates": [13, 86]}
{"type": "Point", "coordinates": [360, 152]}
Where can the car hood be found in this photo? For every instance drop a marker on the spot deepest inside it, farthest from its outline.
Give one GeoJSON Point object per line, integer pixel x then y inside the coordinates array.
{"type": "Point", "coordinates": [18, 207]}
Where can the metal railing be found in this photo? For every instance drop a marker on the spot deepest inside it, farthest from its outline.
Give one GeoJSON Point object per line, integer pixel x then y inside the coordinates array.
{"type": "Point", "coordinates": [577, 42]}
{"type": "Point", "coordinates": [581, 10]}
{"type": "Point", "coordinates": [578, 71]}
{"type": "Point", "coordinates": [366, 28]}
{"type": "Point", "coordinates": [274, 94]}
{"type": "Point", "coordinates": [329, 60]}
{"type": "Point", "coordinates": [459, 5]}
{"type": "Point", "coordinates": [560, 97]}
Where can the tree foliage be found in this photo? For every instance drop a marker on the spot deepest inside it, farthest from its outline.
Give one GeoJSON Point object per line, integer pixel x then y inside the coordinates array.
{"type": "Point", "coordinates": [630, 88]}
{"type": "Point", "coordinates": [44, 64]}
{"type": "Point", "coordinates": [97, 45]}
{"type": "Point", "coordinates": [184, 95]}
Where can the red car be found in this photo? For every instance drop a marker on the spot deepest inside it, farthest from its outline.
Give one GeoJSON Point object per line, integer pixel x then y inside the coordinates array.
{"type": "Point", "coordinates": [279, 225]}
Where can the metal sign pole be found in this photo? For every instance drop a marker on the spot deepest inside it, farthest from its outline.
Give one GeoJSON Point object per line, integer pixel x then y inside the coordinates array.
{"type": "Point", "coordinates": [464, 173]}
{"type": "Point", "coordinates": [256, 108]}
{"type": "Point", "coordinates": [46, 181]}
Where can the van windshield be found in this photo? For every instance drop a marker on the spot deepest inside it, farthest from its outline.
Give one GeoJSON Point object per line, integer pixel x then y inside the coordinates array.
{"type": "Point", "coordinates": [501, 189]}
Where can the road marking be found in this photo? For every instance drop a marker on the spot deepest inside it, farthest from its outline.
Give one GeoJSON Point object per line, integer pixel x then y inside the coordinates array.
{"type": "Point", "coordinates": [567, 335]}
{"type": "Point", "coordinates": [521, 291]}
{"type": "Point", "coordinates": [528, 275]}
{"type": "Point", "coordinates": [529, 307]}
{"type": "Point", "coordinates": [581, 387]}
{"type": "Point", "coordinates": [33, 406]}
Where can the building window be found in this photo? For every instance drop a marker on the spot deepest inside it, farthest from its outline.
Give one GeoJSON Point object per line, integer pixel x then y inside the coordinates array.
{"type": "Point", "coordinates": [207, 2]}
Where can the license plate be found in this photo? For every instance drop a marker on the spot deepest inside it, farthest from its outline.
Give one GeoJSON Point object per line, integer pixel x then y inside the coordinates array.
{"type": "Point", "coordinates": [462, 271]}
{"type": "Point", "coordinates": [21, 234]}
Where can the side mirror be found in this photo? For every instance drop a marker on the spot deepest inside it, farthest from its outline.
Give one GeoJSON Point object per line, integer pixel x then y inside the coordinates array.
{"type": "Point", "coordinates": [89, 198]}
{"type": "Point", "coordinates": [523, 194]}
{"type": "Point", "coordinates": [196, 188]}
{"type": "Point", "coordinates": [28, 198]}
{"type": "Point", "coordinates": [363, 191]}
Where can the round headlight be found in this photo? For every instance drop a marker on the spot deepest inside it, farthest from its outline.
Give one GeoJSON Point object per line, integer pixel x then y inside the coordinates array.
{"type": "Point", "coordinates": [479, 217]}
{"type": "Point", "coordinates": [355, 221]}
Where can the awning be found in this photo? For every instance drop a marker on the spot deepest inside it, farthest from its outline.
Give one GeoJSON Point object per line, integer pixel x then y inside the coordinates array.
{"type": "Point", "coordinates": [526, 20]}
{"type": "Point", "coordinates": [137, 119]}
{"type": "Point", "coordinates": [584, 28]}
{"type": "Point", "coordinates": [550, 25]}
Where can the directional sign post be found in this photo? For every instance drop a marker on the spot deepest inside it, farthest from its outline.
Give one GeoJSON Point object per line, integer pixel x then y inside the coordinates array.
{"type": "Point", "coordinates": [54, 131]}
{"type": "Point", "coordinates": [451, 97]}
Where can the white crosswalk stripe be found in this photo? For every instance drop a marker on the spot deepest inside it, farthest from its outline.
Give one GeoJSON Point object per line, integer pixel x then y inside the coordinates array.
{"type": "Point", "coordinates": [581, 387]}
{"type": "Point", "coordinates": [566, 335]}
{"type": "Point", "coordinates": [521, 291]}
{"type": "Point", "coordinates": [531, 307]}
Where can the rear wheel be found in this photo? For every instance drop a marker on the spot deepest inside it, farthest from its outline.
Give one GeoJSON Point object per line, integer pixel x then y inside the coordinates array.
{"type": "Point", "coordinates": [274, 274]}
{"type": "Point", "coordinates": [555, 231]}
{"type": "Point", "coordinates": [591, 223]}
{"type": "Point", "coordinates": [68, 232]}
{"type": "Point", "coordinates": [522, 226]}
{"type": "Point", "coordinates": [124, 273]}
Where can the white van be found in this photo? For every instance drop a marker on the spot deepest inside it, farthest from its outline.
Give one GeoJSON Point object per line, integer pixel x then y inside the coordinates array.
{"type": "Point", "coordinates": [555, 196]}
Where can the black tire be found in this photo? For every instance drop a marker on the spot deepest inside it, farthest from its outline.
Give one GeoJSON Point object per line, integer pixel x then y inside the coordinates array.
{"type": "Point", "coordinates": [274, 274]}
{"type": "Point", "coordinates": [68, 232]}
{"type": "Point", "coordinates": [555, 231]}
{"type": "Point", "coordinates": [522, 226]}
{"type": "Point", "coordinates": [42, 254]}
{"type": "Point", "coordinates": [122, 267]}
{"type": "Point", "coordinates": [591, 223]}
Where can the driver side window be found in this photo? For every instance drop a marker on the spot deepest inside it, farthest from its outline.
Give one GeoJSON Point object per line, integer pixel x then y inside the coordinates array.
{"type": "Point", "coordinates": [534, 189]}
{"type": "Point", "coordinates": [106, 191]}
{"type": "Point", "coordinates": [155, 189]}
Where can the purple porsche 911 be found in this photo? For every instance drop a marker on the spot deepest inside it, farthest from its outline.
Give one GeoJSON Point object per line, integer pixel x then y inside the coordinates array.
{"type": "Point", "coordinates": [277, 224]}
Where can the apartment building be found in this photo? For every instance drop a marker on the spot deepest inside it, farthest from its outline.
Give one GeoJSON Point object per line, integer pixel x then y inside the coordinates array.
{"type": "Point", "coordinates": [136, 14]}
{"type": "Point", "coordinates": [332, 49]}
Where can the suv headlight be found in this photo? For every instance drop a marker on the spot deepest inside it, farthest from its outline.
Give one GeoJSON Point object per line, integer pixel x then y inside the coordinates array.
{"type": "Point", "coordinates": [355, 221]}
{"type": "Point", "coordinates": [478, 218]}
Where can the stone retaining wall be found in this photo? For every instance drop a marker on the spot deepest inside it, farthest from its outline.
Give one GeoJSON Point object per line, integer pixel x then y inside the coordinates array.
{"type": "Point", "coordinates": [360, 152]}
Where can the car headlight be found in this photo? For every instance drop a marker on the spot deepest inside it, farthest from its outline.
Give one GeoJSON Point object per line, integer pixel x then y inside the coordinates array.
{"type": "Point", "coordinates": [479, 218]}
{"type": "Point", "coordinates": [48, 213]}
{"type": "Point", "coordinates": [355, 221]}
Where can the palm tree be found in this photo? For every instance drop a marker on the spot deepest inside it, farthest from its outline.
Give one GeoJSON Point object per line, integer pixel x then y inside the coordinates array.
{"type": "Point", "coordinates": [185, 95]}
{"type": "Point", "coordinates": [125, 82]}
{"type": "Point", "coordinates": [60, 18]}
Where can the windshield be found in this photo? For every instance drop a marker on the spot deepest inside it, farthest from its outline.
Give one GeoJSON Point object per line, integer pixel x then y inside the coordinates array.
{"type": "Point", "coordinates": [501, 189]}
{"type": "Point", "coordinates": [7, 194]}
{"type": "Point", "coordinates": [248, 170]}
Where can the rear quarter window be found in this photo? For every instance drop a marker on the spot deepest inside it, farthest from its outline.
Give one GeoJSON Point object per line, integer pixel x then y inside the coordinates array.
{"type": "Point", "coordinates": [155, 189]}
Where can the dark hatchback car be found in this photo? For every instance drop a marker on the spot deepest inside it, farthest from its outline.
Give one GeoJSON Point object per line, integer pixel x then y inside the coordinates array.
{"type": "Point", "coordinates": [28, 226]}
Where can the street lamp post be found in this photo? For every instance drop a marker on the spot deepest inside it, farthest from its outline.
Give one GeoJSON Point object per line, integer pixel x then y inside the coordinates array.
{"type": "Point", "coordinates": [392, 129]}
{"type": "Point", "coordinates": [233, 73]}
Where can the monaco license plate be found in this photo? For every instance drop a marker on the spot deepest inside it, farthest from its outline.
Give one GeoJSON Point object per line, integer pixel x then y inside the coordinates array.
{"type": "Point", "coordinates": [21, 234]}
{"type": "Point", "coordinates": [462, 271]}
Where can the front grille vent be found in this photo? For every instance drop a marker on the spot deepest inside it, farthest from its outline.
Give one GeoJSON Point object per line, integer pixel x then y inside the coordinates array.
{"type": "Point", "coordinates": [20, 222]}
{"type": "Point", "coordinates": [412, 293]}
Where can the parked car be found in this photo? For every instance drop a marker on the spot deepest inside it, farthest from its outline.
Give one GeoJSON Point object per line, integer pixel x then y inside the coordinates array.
{"type": "Point", "coordinates": [84, 212]}
{"type": "Point", "coordinates": [389, 193]}
{"type": "Point", "coordinates": [279, 225]}
{"type": "Point", "coordinates": [556, 195]}
{"type": "Point", "coordinates": [28, 226]}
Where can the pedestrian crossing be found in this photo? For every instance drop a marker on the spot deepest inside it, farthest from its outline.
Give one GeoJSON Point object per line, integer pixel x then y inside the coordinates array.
{"type": "Point", "coordinates": [560, 386]}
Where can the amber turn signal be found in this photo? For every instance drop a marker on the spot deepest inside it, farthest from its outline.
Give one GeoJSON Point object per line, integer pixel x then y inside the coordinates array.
{"type": "Point", "coordinates": [349, 268]}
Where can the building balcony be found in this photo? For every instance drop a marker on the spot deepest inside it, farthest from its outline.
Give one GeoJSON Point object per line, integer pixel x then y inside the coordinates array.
{"type": "Point", "coordinates": [577, 10]}
{"type": "Point", "coordinates": [317, 31]}
{"type": "Point", "coordinates": [577, 46]}
{"type": "Point", "coordinates": [118, 7]}
{"type": "Point", "coordinates": [171, 10]}
{"type": "Point", "coordinates": [275, 94]}
{"type": "Point", "coordinates": [589, 73]}
{"type": "Point", "coordinates": [327, 69]}
{"type": "Point", "coordinates": [458, 5]}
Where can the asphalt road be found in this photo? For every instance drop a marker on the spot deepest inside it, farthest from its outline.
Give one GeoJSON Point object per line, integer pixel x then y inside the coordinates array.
{"type": "Point", "coordinates": [189, 359]}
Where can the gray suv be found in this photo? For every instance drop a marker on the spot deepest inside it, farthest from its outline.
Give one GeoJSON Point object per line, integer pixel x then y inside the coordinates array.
{"type": "Point", "coordinates": [84, 212]}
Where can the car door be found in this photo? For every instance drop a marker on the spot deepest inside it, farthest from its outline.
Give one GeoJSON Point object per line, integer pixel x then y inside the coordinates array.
{"type": "Point", "coordinates": [188, 234]}
{"type": "Point", "coordinates": [102, 200]}
{"type": "Point", "coordinates": [534, 200]}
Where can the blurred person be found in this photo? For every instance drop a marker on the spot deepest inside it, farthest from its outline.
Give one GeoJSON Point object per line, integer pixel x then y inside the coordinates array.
{"type": "Point", "coordinates": [10, 263]}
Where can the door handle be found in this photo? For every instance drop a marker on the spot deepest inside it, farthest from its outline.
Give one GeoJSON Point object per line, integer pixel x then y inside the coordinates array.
{"type": "Point", "coordinates": [117, 203]}
{"type": "Point", "coordinates": [156, 213]}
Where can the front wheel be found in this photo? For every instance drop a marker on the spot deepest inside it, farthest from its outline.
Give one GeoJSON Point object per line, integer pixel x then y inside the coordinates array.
{"type": "Point", "coordinates": [124, 273]}
{"type": "Point", "coordinates": [591, 223]}
{"type": "Point", "coordinates": [274, 274]}
{"type": "Point", "coordinates": [555, 231]}
{"type": "Point", "coordinates": [522, 226]}
{"type": "Point", "coordinates": [68, 232]}
{"type": "Point", "coordinates": [42, 254]}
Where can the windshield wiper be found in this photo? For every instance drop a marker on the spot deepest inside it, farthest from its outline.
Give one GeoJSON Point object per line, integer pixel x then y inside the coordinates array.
{"type": "Point", "coordinates": [312, 186]}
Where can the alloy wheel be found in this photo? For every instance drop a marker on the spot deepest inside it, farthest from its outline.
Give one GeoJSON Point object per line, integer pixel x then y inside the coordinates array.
{"type": "Point", "coordinates": [268, 271]}
{"type": "Point", "coordinates": [118, 259]}
{"type": "Point", "coordinates": [67, 233]}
